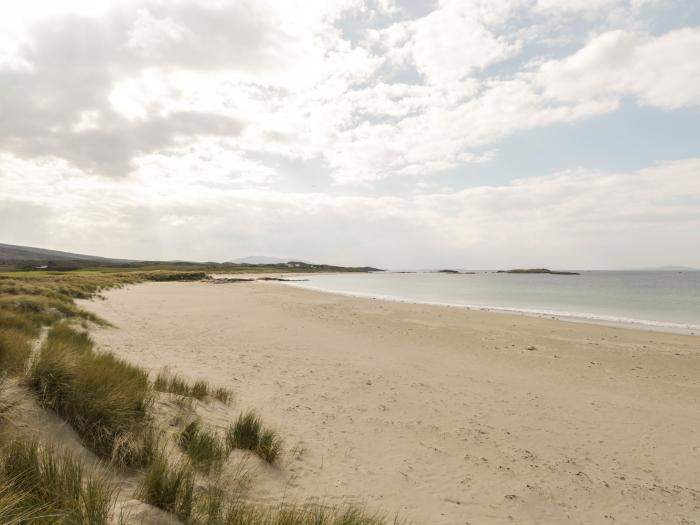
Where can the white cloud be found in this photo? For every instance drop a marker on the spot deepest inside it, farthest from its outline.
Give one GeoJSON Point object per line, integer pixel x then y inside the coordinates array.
{"type": "Point", "coordinates": [576, 5]}
{"type": "Point", "coordinates": [456, 38]}
{"type": "Point", "coordinates": [659, 71]}
{"type": "Point", "coordinates": [150, 35]}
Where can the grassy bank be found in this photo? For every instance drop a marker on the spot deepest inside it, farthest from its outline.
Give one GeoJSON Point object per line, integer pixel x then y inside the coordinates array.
{"type": "Point", "coordinates": [42, 485]}
{"type": "Point", "coordinates": [105, 399]}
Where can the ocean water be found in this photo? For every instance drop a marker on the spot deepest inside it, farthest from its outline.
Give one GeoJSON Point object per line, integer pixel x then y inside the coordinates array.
{"type": "Point", "coordinates": [655, 299]}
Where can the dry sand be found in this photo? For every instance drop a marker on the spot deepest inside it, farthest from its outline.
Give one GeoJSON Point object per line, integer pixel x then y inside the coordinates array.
{"type": "Point", "coordinates": [444, 415]}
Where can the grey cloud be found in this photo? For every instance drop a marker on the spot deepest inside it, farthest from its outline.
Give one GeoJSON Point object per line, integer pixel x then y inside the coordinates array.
{"type": "Point", "coordinates": [75, 61]}
{"type": "Point", "coordinates": [110, 149]}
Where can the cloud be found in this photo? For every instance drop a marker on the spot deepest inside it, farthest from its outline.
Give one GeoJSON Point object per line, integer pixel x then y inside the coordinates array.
{"type": "Point", "coordinates": [108, 146]}
{"type": "Point", "coordinates": [576, 5]}
{"type": "Point", "coordinates": [101, 89]}
{"type": "Point", "coordinates": [659, 71]}
{"type": "Point", "coordinates": [74, 61]}
{"type": "Point", "coordinates": [457, 38]}
{"type": "Point", "coordinates": [572, 219]}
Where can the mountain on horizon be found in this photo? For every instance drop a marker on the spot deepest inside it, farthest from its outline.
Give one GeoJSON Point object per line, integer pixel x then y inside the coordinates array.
{"type": "Point", "coordinates": [260, 259]}
{"type": "Point", "coordinates": [12, 253]}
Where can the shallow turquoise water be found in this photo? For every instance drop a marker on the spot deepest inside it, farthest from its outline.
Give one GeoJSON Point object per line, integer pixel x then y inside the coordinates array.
{"type": "Point", "coordinates": [657, 299]}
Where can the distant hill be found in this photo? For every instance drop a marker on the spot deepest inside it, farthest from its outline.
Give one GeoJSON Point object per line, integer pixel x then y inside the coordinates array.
{"type": "Point", "coordinates": [10, 253]}
{"type": "Point", "coordinates": [260, 259]}
{"type": "Point", "coordinates": [29, 258]}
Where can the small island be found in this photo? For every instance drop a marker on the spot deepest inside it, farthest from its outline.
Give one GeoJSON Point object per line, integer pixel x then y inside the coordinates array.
{"type": "Point", "coordinates": [537, 270]}
{"type": "Point", "coordinates": [455, 272]}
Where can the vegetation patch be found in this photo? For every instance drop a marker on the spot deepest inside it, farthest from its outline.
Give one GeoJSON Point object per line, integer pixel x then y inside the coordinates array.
{"type": "Point", "coordinates": [15, 348]}
{"type": "Point", "coordinates": [41, 485]}
{"type": "Point", "coordinates": [167, 381]}
{"type": "Point", "coordinates": [173, 488]}
{"type": "Point", "coordinates": [169, 487]}
{"type": "Point", "coordinates": [203, 447]}
{"type": "Point", "coordinates": [9, 399]}
{"type": "Point", "coordinates": [249, 433]}
{"type": "Point", "coordinates": [104, 398]}
{"type": "Point", "coordinates": [224, 395]}
{"type": "Point", "coordinates": [240, 513]}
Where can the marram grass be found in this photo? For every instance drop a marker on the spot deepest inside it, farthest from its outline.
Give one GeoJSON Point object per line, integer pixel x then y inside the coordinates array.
{"type": "Point", "coordinates": [174, 488]}
{"type": "Point", "coordinates": [169, 487]}
{"type": "Point", "coordinates": [248, 432]}
{"type": "Point", "coordinates": [42, 485]}
{"type": "Point", "coordinates": [202, 446]}
{"type": "Point", "coordinates": [104, 398]}
{"type": "Point", "coordinates": [169, 382]}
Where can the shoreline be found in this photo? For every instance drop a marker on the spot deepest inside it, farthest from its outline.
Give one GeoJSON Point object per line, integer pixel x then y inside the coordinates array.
{"type": "Point", "coordinates": [592, 319]}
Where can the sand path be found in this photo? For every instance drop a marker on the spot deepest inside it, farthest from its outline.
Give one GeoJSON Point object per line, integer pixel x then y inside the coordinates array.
{"type": "Point", "coordinates": [443, 415]}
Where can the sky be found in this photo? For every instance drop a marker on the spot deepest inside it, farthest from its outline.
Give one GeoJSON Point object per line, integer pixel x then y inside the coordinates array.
{"type": "Point", "coordinates": [398, 134]}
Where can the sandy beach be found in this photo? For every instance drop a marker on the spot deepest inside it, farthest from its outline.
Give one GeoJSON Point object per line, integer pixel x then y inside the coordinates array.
{"type": "Point", "coordinates": [442, 415]}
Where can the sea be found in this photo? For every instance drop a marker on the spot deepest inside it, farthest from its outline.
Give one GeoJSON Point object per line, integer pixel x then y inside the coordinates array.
{"type": "Point", "coordinates": [663, 300]}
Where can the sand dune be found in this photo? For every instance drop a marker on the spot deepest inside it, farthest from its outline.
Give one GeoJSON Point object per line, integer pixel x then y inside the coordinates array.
{"type": "Point", "coordinates": [443, 415]}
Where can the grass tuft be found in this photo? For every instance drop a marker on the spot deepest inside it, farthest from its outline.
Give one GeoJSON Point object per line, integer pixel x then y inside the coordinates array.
{"type": "Point", "coordinates": [104, 398]}
{"type": "Point", "coordinates": [248, 433]}
{"type": "Point", "coordinates": [52, 487]}
{"type": "Point", "coordinates": [167, 381]}
{"type": "Point", "coordinates": [200, 390]}
{"type": "Point", "coordinates": [9, 399]}
{"type": "Point", "coordinates": [15, 348]}
{"type": "Point", "coordinates": [215, 507]}
{"type": "Point", "coordinates": [269, 446]}
{"type": "Point", "coordinates": [171, 383]}
{"type": "Point", "coordinates": [170, 488]}
{"type": "Point", "coordinates": [203, 447]}
{"type": "Point", "coordinates": [137, 448]}
{"type": "Point", "coordinates": [224, 395]}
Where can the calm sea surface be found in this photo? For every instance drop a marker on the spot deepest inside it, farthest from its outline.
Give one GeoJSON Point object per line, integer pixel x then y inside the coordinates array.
{"type": "Point", "coordinates": [665, 300]}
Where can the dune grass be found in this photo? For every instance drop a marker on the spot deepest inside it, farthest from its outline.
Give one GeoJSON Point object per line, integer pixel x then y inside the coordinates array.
{"type": "Point", "coordinates": [104, 398]}
{"type": "Point", "coordinates": [169, 382]}
{"type": "Point", "coordinates": [41, 485]}
{"type": "Point", "coordinates": [203, 447]}
{"type": "Point", "coordinates": [168, 487]}
{"type": "Point", "coordinates": [223, 395]}
{"type": "Point", "coordinates": [174, 488]}
{"type": "Point", "coordinates": [248, 432]}
{"type": "Point", "coordinates": [16, 333]}
{"type": "Point", "coordinates": [14, 506]}
{"type": "Point", "coordinates": [240, 513]}
{"type": "Point", "coordinates": [15, 348]}
{"type": "Point", "coordinates": [9, 399]}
